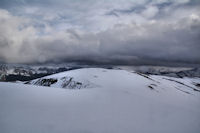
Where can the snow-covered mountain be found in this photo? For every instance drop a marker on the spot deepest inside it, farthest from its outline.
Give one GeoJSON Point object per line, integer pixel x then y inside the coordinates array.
{"type": "Point", "coordinates": [21, 72]}
{"type": "Point", "coordinates": [97, 100]}
{"type": "Point", "coordinates": [91, 77]}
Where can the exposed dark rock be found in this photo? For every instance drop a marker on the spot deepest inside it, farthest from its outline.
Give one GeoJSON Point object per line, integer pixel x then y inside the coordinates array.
{"type": "Point", "coordinates": [151, 87]}
{"type": "Point", "coordinates": [45, 82]}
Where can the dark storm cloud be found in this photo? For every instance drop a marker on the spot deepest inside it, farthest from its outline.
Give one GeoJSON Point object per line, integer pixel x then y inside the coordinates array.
{"type": "Point", "coordinates": [137, 9]}
{"type": "Point", "coordinates": [117, 32]}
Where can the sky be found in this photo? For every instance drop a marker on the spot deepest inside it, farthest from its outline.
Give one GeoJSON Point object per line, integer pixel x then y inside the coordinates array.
{"type": "Point", "coordinates": [102, 31]}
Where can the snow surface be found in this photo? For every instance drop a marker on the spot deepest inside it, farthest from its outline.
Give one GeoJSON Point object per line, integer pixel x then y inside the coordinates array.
{"type": "Point", "coordinates": [117, 101]}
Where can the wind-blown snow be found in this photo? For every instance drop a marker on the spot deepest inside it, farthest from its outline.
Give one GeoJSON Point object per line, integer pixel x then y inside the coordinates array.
{"type": "Point", "coordinates": [117, 102]}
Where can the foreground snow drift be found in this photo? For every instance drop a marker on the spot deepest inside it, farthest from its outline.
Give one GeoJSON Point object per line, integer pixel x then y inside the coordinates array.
{"type": "Point", "coordinates": [117, 101]}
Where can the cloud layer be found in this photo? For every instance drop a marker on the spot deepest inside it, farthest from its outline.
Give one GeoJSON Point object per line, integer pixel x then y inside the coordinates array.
{"type": "Point", "coordinates": [105, 32]}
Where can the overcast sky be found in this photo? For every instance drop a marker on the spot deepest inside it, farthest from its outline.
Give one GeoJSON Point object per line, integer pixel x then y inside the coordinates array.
{"type": "Point", "coordinates": [103, 31]}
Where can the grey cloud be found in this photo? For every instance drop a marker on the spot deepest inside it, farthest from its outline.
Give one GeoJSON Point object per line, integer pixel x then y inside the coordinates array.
{"type": "Point", "coordinates": [153, 40]}
{"type": "Point", "coordinates": [86, 14]}
{"type": "Point", "coordinates": [158, 41]}
{"type": "Point", "coordinates": [164, 31]}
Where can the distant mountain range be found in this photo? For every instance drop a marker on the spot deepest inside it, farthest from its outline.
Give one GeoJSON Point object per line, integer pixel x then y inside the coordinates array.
{"type": "Point", "coordinates": [25, 73]}
{"type": "Point", "coordinates": [13, 72]}
{"type": "Point", "coordinates": [189, 72]}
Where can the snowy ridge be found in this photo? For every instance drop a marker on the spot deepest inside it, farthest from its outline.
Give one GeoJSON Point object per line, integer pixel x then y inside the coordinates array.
{"type": "Point", "coordinates": [94, 77]}
{"type": "Point", "coordinates": [170, 72]}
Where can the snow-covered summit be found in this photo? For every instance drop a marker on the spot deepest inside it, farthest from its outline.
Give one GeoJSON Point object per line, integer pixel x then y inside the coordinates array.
{"type": "Point", "coordinates": [110, 78]}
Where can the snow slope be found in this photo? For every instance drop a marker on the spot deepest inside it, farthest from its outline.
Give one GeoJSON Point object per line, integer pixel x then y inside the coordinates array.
{"type": "Point", "coordinates": [116, 101]}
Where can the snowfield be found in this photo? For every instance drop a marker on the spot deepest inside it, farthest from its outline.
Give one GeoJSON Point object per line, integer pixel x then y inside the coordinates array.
{"type": "Point", "coordinates": [96, 100]}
